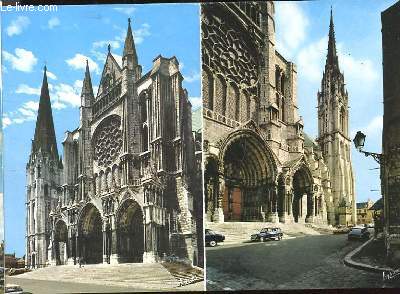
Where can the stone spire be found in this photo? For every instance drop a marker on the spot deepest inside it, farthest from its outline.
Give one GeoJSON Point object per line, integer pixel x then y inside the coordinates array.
{"type": "Point", "coordinates": [45, 138]}
{"type": "Point", "coordinates": [129, 47]}
{"type": "Point", "coordinates": [87, 89]}
{"type": "Point", "coordinates": [332, 58]}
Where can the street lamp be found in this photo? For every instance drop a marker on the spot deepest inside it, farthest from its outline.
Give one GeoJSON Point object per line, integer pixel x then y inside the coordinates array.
{"type": "Point", "coordinates": [359, 141]}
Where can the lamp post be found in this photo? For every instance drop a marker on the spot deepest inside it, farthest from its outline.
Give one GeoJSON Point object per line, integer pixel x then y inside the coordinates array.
{"type": "Point", "coordinates": [359, 141]}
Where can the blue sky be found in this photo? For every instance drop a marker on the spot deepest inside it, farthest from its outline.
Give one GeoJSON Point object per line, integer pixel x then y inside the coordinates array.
{"type": "Point", "coordinates": [63, 40]}
{"type": "Point", "coordinates": [302, 37]}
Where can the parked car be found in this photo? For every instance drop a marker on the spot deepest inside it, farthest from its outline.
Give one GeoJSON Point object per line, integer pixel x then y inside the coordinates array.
{"type": "Point", "coordinates": [358, 233]}
{"type": "Point", "coordinates": [267, 234]}
{"type": "Point", "coordinates": [212, 238]}
{"type": "Point", "coordinates": [14, 289]}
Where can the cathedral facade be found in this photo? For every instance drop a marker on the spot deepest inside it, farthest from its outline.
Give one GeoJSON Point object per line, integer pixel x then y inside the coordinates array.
{"type": "Point", "coordinates": [259, 164]}
{"type": "Point", "coordinates": [128, 188]}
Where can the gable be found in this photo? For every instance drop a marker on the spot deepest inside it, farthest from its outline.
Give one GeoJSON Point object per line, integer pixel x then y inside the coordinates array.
{"type": "Point", "coordinates": [110, 76]}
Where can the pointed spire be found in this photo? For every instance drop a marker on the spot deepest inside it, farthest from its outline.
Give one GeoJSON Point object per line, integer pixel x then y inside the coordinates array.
{"type": "Point", "coordinates": [332, 58]}
{"type": "Point", "coordinates": [129, 47]}
{"type": "Point", "coordinates": [45, 138]}
{"type": "Point", "coordinates": [87, 89]}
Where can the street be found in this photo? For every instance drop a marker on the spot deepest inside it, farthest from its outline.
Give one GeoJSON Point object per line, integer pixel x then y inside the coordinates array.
{"type": "Point", "coordinates": [306, 262]}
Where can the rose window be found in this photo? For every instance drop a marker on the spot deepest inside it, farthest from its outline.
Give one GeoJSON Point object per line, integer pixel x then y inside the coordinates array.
{"type": "Point", "coordinates": [107, 141]}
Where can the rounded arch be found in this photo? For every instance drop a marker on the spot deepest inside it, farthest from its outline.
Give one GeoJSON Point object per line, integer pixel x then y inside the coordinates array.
{"type": "Point", "coordinates": [254, 148]}
{"type": "Point", "coordinates": [90, 226]}
{"type": "Point", "coordinates": [130, 231]}
{"type": "Point", "coordinates": [302, 184]}
{"type": "Point", "coordinates": [249, 171]}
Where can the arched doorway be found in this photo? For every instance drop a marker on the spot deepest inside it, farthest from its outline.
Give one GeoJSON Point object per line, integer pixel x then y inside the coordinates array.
{"type": "Point", "coordinates": [90, 236]}
{"type": "Point", "coordinates": [302, 204]}
{"type": "Point", "coordinates": [130, 232]}
{"type": "Point", "coordinates": [61, 243]}
{"type": "Point", "coordinates": [249, 171]}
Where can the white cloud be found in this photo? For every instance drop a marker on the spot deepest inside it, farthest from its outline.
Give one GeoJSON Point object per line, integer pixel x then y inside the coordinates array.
{"type": "Point", "coordinates": [372, 129]}
{"type": "Point", "coordinates": [141, 33]}
{"type": "Point", "coordinates": [191, 78]}
{"type": "Point", "coordinates": [17, 26]}
{"type": "Point", "coordinates": [79, 62]}
{"type": "Point", "coordinates": [23, 60]}
{"type": "Point", "coordinates": [67, 95]}
{"type": "Point", "coordinates": [292, 27]}
{"type": "Point", "coordinates": [50, 75]}
{"type": "Point", "coordinates": [196, 102]}
{"type": "Point", "coordinates": [356, 69]}
{"type": "Point", "coordinates": [311, 58]}
{"type": "Point", "coordinates": [6, 122]}
{"type": "Point", "coordinates": [138, 34]}
{"type": "Point", "coordinates": [25, 89]}
{"type": "Point", "coordinates": [128, 10]}
{"type": "Point", "coordinates": [53, 22]}
{"type": "Point", "coordinates": [100, 44]}
{"type": "Point", "coordinates": [27, 112]}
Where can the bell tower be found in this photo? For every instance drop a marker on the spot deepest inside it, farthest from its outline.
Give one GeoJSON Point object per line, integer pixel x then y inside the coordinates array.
{"type": "Point", "coordinates": [333, 137]}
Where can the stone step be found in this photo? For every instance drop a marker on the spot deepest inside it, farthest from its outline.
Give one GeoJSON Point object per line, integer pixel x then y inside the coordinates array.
{"type": "Point", "coordinates": [153, 275]}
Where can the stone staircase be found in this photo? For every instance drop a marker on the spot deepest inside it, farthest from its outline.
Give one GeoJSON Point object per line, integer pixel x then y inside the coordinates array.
{"type": "Point", "coordinates": [152, 276]}
{"type": "Point", "coordinates": [239, 232]}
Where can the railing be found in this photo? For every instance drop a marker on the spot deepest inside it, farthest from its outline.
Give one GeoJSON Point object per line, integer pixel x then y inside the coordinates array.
{"type": "Point", "coordinates": [220, 118]}
{"type": "Point", "coordinates": [107, 100]}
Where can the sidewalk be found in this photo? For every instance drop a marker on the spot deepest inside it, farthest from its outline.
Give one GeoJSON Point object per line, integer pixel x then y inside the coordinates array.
{"type": "Point", "coordinates": [369, 256]}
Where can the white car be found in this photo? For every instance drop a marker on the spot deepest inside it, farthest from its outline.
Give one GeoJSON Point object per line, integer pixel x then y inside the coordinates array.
{"type": "Point", "coordinates": [14, 289]}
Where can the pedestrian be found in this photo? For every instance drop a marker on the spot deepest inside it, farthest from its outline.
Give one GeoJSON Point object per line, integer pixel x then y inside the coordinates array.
{"type": "Point", "coordinates": [80, 262]}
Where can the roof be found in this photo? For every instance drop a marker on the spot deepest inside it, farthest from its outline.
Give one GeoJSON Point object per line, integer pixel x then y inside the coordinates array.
{"type": "Point", "coordinates": [45, 137]}
{"type": "Point", "coordinates": [196, 119]}
{"type": "Point", "coordinates": [308, 142]}
{"type": "Point", "coordinates": [361, 205]}
{"type": "Point", "coordinates": [378, 205]}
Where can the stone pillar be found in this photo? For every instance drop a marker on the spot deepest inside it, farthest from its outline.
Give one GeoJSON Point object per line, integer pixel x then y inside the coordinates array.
{"type": "Point", "coordinates": [273, 211]}
{"type": "Point", "coordinates": [218, 216]}
{"type": "Point", "coordinates": [149, 254]}
{"type": "Point", "coordinates": [70, 258]}
{"type": "Point", "coordinates": [114, 258]}
{"type": "Point", "coordinates": [105, 253]}
{"type": "Point", "coordinates": [310, 207]}
{"type": "Point", "coordinates": [210, 190]}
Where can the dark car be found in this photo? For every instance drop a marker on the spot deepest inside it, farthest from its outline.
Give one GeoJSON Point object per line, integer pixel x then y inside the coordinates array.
{"type": "Point", "coordinates": [358, 233]}
{"type": "Point", "coordinates": [267, 234]}
{"type": "Point", "coordinates": [212, 238]}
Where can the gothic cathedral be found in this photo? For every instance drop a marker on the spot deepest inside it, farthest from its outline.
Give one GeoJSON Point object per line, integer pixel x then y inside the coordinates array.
{"type": "Point", "coordinates": [128, 188]}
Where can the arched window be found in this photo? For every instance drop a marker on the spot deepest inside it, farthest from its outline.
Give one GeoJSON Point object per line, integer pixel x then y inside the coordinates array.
{"type": "Point", "coordinates": [283, 117]}
{"type": "Point", "coordinates": [210, 91]}
{"type": "Point", "coordinates": [342, 120]}
{"type": "Point", "coordinates": [277, 78]}
{"type": "Point", "coordinates": [145, 139]}
{"type": "Point", "coordinates": [237, 102]}
{"type": "Point", "coordinates": [247, 107]}
{"type": "Point", "coordinates": [283, 84]}
{"type": "Point", "coordinates": [220, 92]}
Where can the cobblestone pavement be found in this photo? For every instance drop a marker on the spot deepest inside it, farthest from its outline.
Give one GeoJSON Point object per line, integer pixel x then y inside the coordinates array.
{"type": "Point", "coordinates": [308, 262]}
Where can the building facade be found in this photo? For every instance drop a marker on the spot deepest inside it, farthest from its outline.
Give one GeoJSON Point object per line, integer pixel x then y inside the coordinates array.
{"type": "Point", "coordinates": [390, 163]}
{"type": "Point", "coordinates": [259, 164]}
{"type": "Point", "coordinates": [127, 188]}
{"type": "Point", "coordinates": [365, 215]}
{"type": "Point", "coordinates": [333, 136]}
